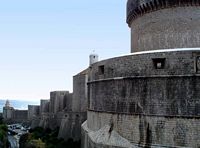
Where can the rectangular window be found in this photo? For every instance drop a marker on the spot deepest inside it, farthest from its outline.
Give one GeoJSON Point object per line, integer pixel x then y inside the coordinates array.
{"type": "Point", "coordinates": [159, 63]}
{"type": "Point", "coordinates": [101, 70]}
{"type": "Point", "coordinates": [198, 64]}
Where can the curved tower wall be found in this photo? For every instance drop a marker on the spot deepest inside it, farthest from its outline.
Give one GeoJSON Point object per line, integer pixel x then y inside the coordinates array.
{"type": "Point", "coordinates": [145, 104]}
{"type": "Point", "coordinates": [93, 58]}
{"type": "Point", "coordinates": [165, 24]}
{"type": "Point", "coordinates": [151, 98]}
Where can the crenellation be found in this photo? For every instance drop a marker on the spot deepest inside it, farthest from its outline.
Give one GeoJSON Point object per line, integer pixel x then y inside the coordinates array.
{"type": "Point", "coordinates": [137, 8]}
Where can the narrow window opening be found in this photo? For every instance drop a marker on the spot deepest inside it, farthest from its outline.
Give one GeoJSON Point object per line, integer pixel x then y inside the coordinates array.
{"type": "Point", "coordinates": [198, 64]}
{"type": "Point", "coordinates": [101, 69]}
{"type": "Point", "coordinates": [159, 63]}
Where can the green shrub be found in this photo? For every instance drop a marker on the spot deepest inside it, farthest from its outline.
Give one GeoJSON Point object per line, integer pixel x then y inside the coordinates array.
{"type": "Point", "coordinates": [46, 138]}
{"type": "Point", "coordinates": [3, 135]}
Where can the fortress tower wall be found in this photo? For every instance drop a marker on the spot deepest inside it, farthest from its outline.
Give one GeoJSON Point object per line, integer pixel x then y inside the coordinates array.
{"type": "Point", "coordinates": [178, 62]}
{"type": "Point", "coordinates": [44, 106]}
{"type": "Point", "coordinates": [163, 24]}
{"type": "Point", "coordinates": [148, 98]}
{"type": "Point", "coordinates": [43, 120]}
{"type": "Point", "coordinates": [68, 102]}
{"type": "Point", "coordinates": [71, 125]}
{"type": "Point", "coordinates": [75, 115]}
{"type": "Point", "coordinates": [136, 86]}
{"type": "Point", "coordinates": [34, 115]}
{"type": "Point", "coordinates": [66, 110]}
{"type": "Point", "coordinates": [57, 101]}
{"type": "Point", "coordinates": [8, 112]}
{"type": "Point", "coordinates": [79, 101]}
{"type": "Point", "coordinates": [33, 111]}
{"type": "Point", "coordinates": [45, 115]}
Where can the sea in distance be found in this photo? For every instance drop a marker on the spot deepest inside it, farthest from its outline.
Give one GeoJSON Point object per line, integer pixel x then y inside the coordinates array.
{"type": "Point", "coordinates": [18, 104]}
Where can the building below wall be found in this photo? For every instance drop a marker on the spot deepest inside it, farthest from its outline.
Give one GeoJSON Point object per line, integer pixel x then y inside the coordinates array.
{"type": "Point", "coordinates": [12, 115]}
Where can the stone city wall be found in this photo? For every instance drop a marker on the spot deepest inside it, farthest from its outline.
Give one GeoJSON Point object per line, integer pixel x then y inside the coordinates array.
{"type": "Point", "coordinates": [146, 98]}
{"type": "Point", "coordinates": [175, 63]}
{"type": "Point", "coordinates": [8, 113]}
{"type": "Point", "coordinates": [20, 116]}
{"type": "Point", "coordinates": [68, 102]}
{"type": "Point", "coordinates": [44, 106]}
{"type": "Point", "coordinates": [170, 96]}
{"type": "Point", "coordinates": [79, 101]}
{"type": "Point", "coordinates": [48, 121]}
{"type": "Point", "coordinates": [75, 112]}
{"type": "Point", "coordinates": [71, 125]}
{"type": "Point", "coordinates": [57, 101]}
{"type": "Point", "coordinates": [51, 120]}
{"type": "Point", "coordinates": [65, 110]}
{"type": "Point", "coordinates": [160, 131]}
{"type": "Point", "coordinates": [33, 111]}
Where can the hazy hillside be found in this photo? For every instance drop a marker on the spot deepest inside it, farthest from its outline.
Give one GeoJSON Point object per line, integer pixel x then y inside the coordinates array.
{"type": "Point", "coordinates": [18, 104]}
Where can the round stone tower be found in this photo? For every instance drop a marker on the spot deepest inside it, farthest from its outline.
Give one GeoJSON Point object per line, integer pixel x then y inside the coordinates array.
{"type": "Point", "coordinates": [149, 99]}
{"type": "Point", "coordinates": [163, 24]}
{"type": "Point", "coordinates": [93, 58]}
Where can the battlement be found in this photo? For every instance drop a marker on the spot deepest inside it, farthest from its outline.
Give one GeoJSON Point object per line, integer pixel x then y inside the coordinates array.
{"type": "Point", "coordinates": [136, 8]}
{"type": "Point", "coordinates": [163, 24]}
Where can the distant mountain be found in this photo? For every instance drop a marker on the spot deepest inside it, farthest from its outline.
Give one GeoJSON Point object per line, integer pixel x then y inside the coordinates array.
{"type": "Point", "coordinates": [18, 104]}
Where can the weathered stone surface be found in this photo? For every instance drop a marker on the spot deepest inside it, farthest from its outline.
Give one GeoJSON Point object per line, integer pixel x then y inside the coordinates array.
{"type": "Point", "coordinates": [147, 103]}
{"type": "Point", "coordinates": [44, 106]}
{"type": "Point", "coordinates": [20, 116]}
{"type": "Point", "coordinates": [135, 86]}
{"type": "Point", "coordinates": [166, 29]}
{"type": "Point", "coordinates": [163, 24]}
{"type": "Point", "coordinates": [66, 110]}
{"type": "Point", "coordinates": [33, 111]}
{"type": "Point", "coordinates": [68, 102]}
{"type": "Point", "coordinates": [167, 96]}
{"type": "Point", "coordinates": [8, 113]}
{"type": "Point", "coordinates": [79, 102]}
{"type": "Point", "coordinates": [136, 65]}
{"type": "Point", "coordinates": [104, 137]}
{"type": "Point", "coordinates": [75, 112]}
{"type": "Point", "coordinates": [137, 8]}
{"type": "Point", "coordinates": [35, 122]}
{"type": "Point", "coordinates": [152, 131]}
{"type": "Point", "coordinates": [150, 99]}
{"type": "Point", "coordinates": [57, 101]}
{"type": "Point", "coordinates": [48, 120]}
{"type": "Point", "coordinates": [71, 125]}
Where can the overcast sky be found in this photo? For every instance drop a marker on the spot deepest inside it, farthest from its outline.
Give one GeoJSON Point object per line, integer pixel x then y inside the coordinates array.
{"type": "Point", "coordinates": [43, 43]}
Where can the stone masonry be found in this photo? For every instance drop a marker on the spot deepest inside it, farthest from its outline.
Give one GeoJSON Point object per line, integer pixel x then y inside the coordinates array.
{"type": "Point", "coordinates": [163, 24]}
{"type": "Point", "coordinates": [66, 111]}
{"type": "Point", "coordinates": [149, 98]}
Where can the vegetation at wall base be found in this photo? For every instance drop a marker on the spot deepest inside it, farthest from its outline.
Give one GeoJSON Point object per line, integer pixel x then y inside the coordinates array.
{"type": "Point", "coordinates": [45, 138]}
{"type": "Point", "coordinates": [3, 134]}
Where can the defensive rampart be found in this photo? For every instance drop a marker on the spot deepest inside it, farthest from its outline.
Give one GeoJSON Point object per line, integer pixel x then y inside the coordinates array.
{"type": "Point", "coordinates": [148, 99]}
